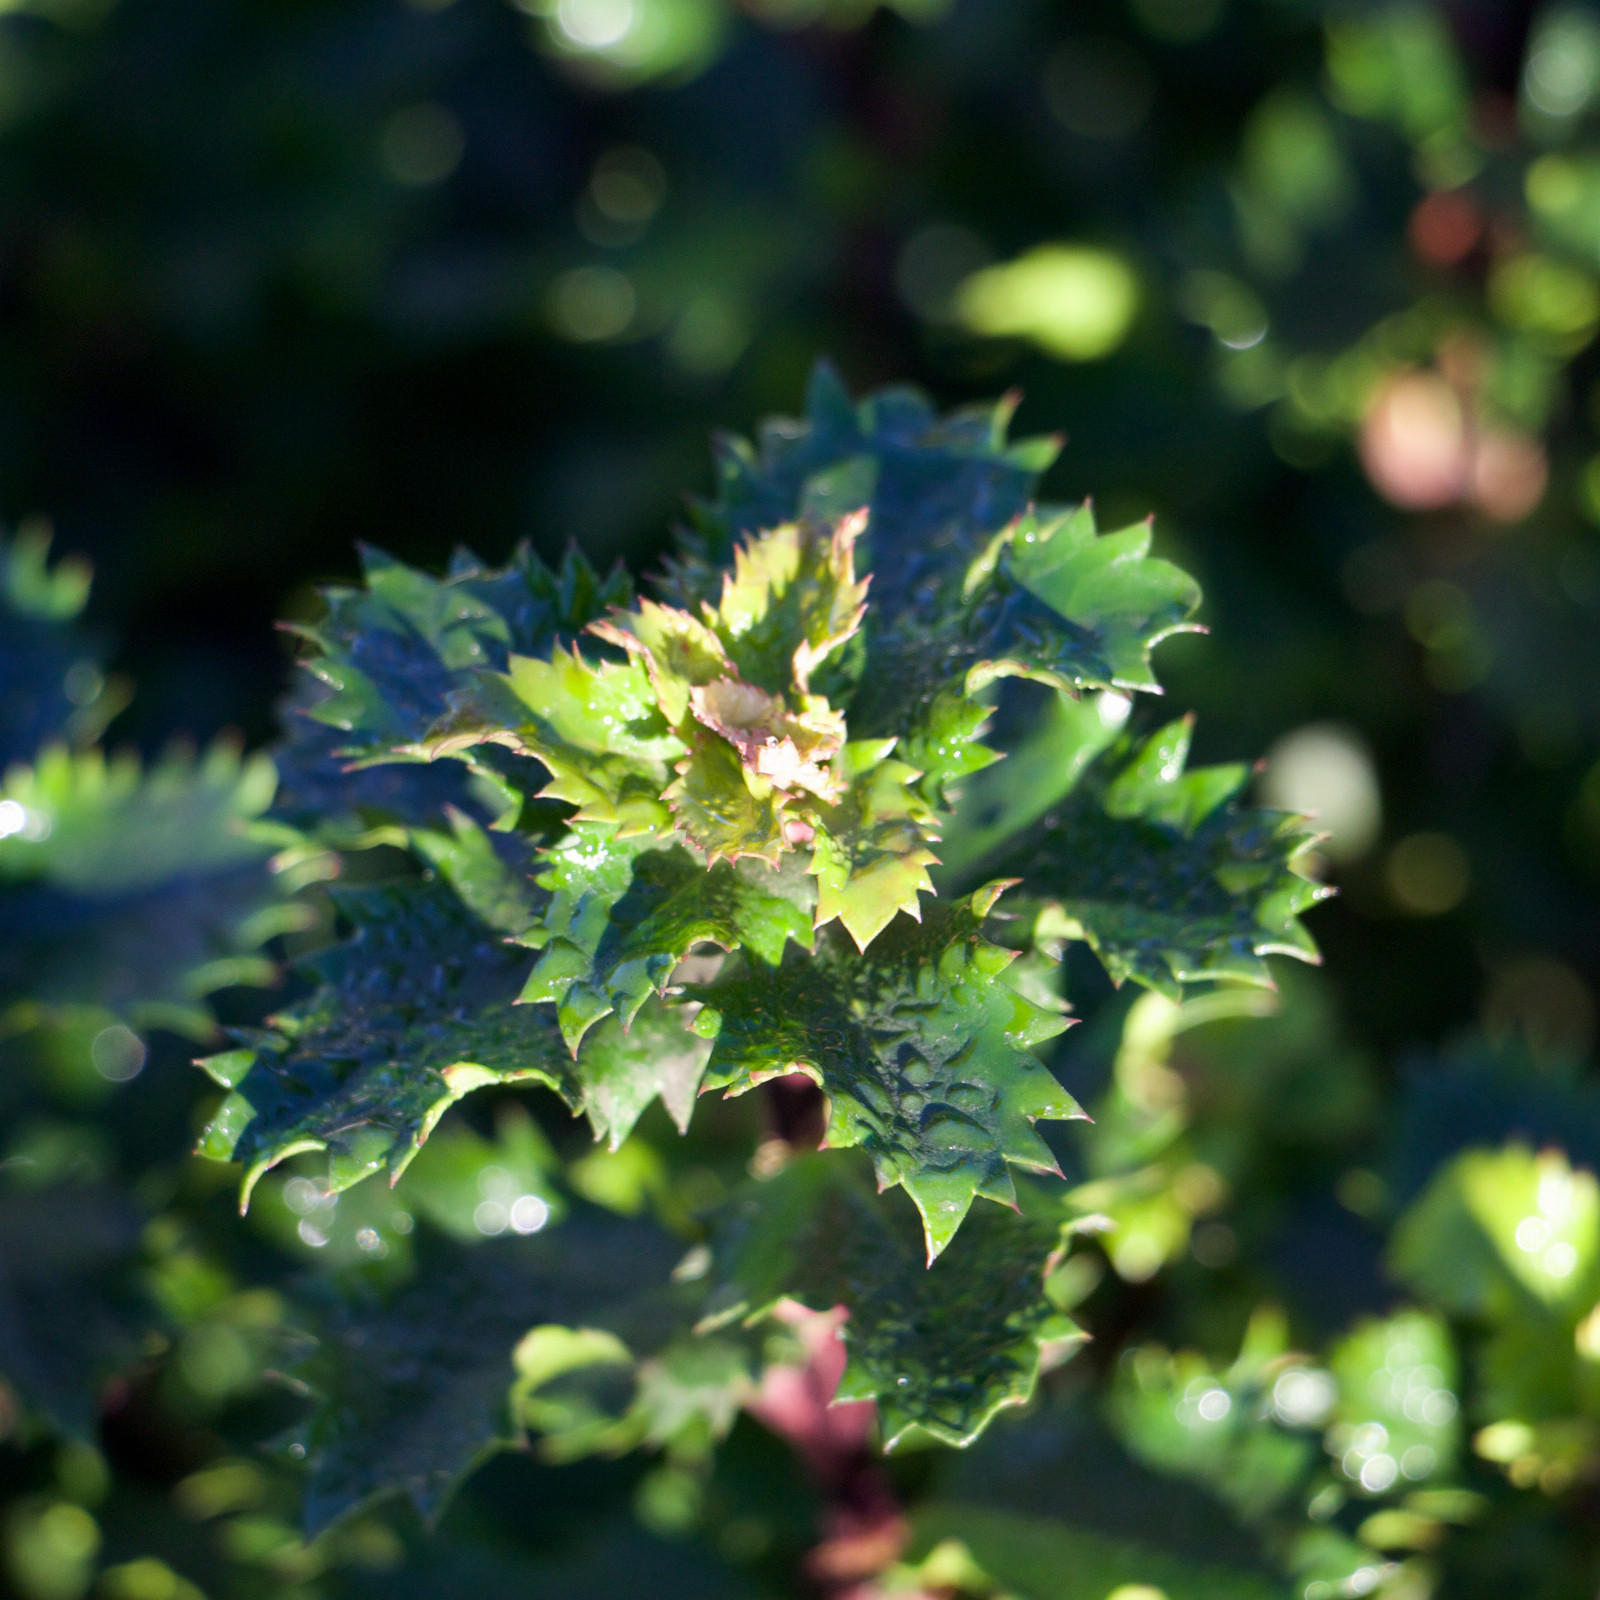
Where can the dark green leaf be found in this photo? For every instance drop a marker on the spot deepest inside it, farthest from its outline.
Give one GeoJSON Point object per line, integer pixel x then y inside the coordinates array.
{"type": "Point", "coordinates": [416, 1009]}
{"type": "Point", "coordinates": [940, 1348]}
{"type": "Point", "coordinates": [393, 650]}
{"type": "Point", "coordinates": [921, 1048]}
{"type": "Point", "coordinates": [624, 914]}
{"type": "Point", "coordinates": [415, 1390]}
{"type": "Point", "coordinates": [1164, 873]}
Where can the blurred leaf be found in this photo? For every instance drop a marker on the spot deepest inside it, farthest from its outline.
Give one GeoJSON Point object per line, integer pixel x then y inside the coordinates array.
{"type": "Point", "coordinates": [414, 1390]}
{"type": "Point", "coordinates": [139, 891]}
{"type": "Point", "coordinates": [1177, 1413]}
{"type": "Point", "coordinates": [1057, 1561]}
{"type": "Point", "coordinates": [1396, 1423]}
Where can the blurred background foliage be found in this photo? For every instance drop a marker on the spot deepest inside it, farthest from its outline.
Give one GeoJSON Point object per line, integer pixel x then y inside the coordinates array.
{"type": "Point", "coordinates": [1315, 284]}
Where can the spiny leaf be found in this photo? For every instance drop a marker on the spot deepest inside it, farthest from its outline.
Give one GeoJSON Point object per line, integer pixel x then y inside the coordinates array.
{"type": "Point", "coordinates": [393, 650]}
{"type": "Point", "coordinates": [43, 653]}
{"type": "Point", "coordinates": [937, 487]}
{"type": "Point", "coordinates": [735, 685]}
{"type": "Point", "coordinates": [727, 811]}
{"type": "Point", "coordinates": [624, 914]}
{"type": "Point", "coordinates": [791, 600]}
{"type": "Point", "coordinates": [1117, 602]}
{"type": "Point", "coordinates": [137, 889]}
{"type": "Point", "coordinates": [390, 655]}
{"type": "Point", "coordinates": [415, 1010]}
{"type": "Point", "coordinates": [921, 1048]}
{"type": "Point", "coordinates": [1165, 874]}
{"type": "Point", "coordinates": [594, 725]}
{"type": "Point", "coordinates": [621, 1071]}
{"type": "Point", "coordinates": [413, 1392]}
{"type": "Point", "coordinates": [1043, 769]}
{"type": "Point", "coordinates": [941, 1348]}
{"type": "Point", "coordinates": [872, 855]}
{"type": "Point", "coordinates": [966, 579]}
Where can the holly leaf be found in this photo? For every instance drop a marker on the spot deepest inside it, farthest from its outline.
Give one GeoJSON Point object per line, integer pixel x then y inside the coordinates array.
{"type": "Point", "coordinates": [138, 890]}
{"type": "Point", "coordinates": [937, 488]}
{"type": "Point", "coordinates": [622, 1070]}
{"type": "Point", "coordinates": [625, 913]}
{"type": "Point", "coordinates": [594, 726]}
{"type": "Point", "coordinates": [392, 651]}
{"type": "Point", "coordinates": [412, 1393]}
{"type": "Point", "coordinates": [967, 579]}
{"type": "Point", "coordinates": [921, 1048]}
{"type": "Point", "coordinates": [791, 600]}
{"type": "Point", "coordinates": [871, 855]}
{"type": "Point", "coordinates": [388, 659]}
{"type": "Point", "coordinates": [44, 654]}
{"type": "Point", "coordinates": [1109, 603]}
{"type": "Point", "coordinates": [723, 808]}
{"type": "Point", "coordinates": [1045, 766]}
{"type": "Point", "coordinates": [414, 1011]}
{"type": "Point", "coordinates": [941, 1348]}
{"type": "Point", "coordinates": [1165, 874]}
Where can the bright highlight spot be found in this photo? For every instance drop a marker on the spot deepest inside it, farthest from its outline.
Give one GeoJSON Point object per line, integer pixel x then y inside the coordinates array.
{"type": "Point", "coordinates": [1075, 302]}
{"type": "Point", "coordinates": [1563, 70]}
{"type": "Point", "coordinates": [591, 304]}
{"type": "Point", "coordinates": [118, 1053]}
{"type": "Point", "coordinates": [596, 24]}
{"type": "Point", "coordinates": [1325, 771]}
{"type": "Point", "coordinates": [1302, 1398]}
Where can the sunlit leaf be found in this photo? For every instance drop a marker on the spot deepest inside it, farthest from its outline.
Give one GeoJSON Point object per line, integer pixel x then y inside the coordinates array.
{"type": "Point", "coordinates": [941, 1349]}
{"type": "Point", "coordinates": [921, 1048]}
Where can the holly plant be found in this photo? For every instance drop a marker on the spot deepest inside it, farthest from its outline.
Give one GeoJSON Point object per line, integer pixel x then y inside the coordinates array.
{"type": "Point", "coordinates": [794, 840]}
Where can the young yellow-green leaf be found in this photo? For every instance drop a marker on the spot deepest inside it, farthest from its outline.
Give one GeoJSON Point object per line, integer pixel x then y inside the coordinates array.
{"type": "Point", "coordinates": [595, 726]}
{"type": "Point", "coordinates": [921, 1047]}
{"type": "Point", "coordinates": [871, 853]}
{"type": "Point", "coordinates": [1164, 873]}
{"type": "Point", "coordinates": [626, 912]}
{"type": "Point", "coordinates": [726, 810]}
{"type": "Point", "coordinates": [791, 600]}
{"type": "Point", "coordinates": [679, 651]}
{"type": "Point", "coordinates": [940, 1348]}
{"type": "Point", "coordinates": [415, 1010]}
